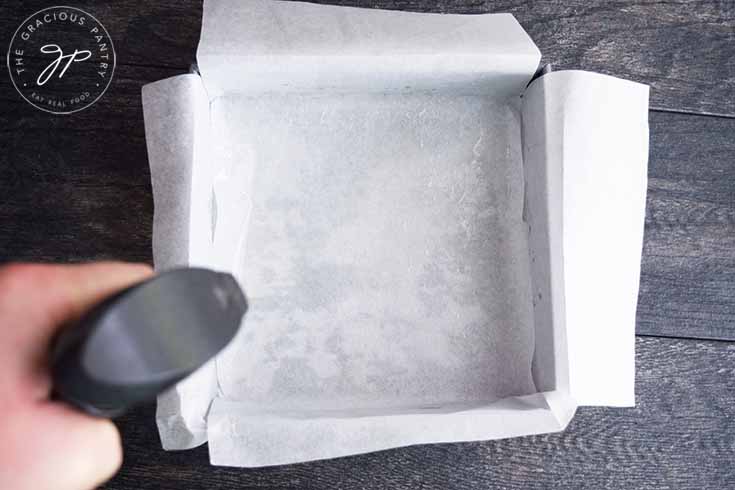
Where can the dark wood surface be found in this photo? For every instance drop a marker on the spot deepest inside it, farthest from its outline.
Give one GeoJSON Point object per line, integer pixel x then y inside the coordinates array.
{"type": "Point", "coordinates": [77, 187]}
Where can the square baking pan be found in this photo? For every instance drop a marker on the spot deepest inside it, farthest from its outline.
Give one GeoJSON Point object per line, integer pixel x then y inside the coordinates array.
{"type": "Point", "coordinates": [434, 249]}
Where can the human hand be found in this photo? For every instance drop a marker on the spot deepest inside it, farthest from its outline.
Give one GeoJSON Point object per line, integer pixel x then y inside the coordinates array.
{"type": "Point", "coordinates": [46, 444]}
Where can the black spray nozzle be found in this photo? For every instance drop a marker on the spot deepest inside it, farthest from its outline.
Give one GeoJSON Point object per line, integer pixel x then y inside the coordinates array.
{"type": "Point", "coordinates": [141, 341]}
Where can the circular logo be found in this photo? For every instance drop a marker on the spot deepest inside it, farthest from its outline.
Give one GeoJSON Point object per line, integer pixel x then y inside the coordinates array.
{"type": "Point", "coordinates": [61, 60]}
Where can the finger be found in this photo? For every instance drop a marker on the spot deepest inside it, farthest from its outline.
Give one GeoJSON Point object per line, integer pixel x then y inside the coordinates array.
{"type": "Point", "coordinates": [36, 300]}
{"type": "Point", "coordinates": [61, 449]}
{"type": "Point", "coordinates": [90, 447]}
{"type": "Point", "coordinates": [54, 294]}
{"type": "Point", "coordinates": [85, 285]}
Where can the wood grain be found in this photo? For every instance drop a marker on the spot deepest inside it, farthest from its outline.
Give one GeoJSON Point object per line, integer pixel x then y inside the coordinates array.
{"type": "Point", "coordinates": [77, 187]}
{"type": "Point", "coordinates": [160, 34]}
{"type": "Point", "coordinates": [688, 267]}
{"type": "Point", "coordinates": [683, 49]}
{"type": "Point", "coordinates": [680, 435]}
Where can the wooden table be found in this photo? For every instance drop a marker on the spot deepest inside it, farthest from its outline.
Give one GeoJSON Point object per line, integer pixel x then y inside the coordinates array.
{"type": "Point", "coordinates": [77, 187]}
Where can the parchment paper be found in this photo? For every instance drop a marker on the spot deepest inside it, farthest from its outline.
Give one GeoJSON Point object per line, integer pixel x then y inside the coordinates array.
{"type": "Point", "coordinates": [403, 223]}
